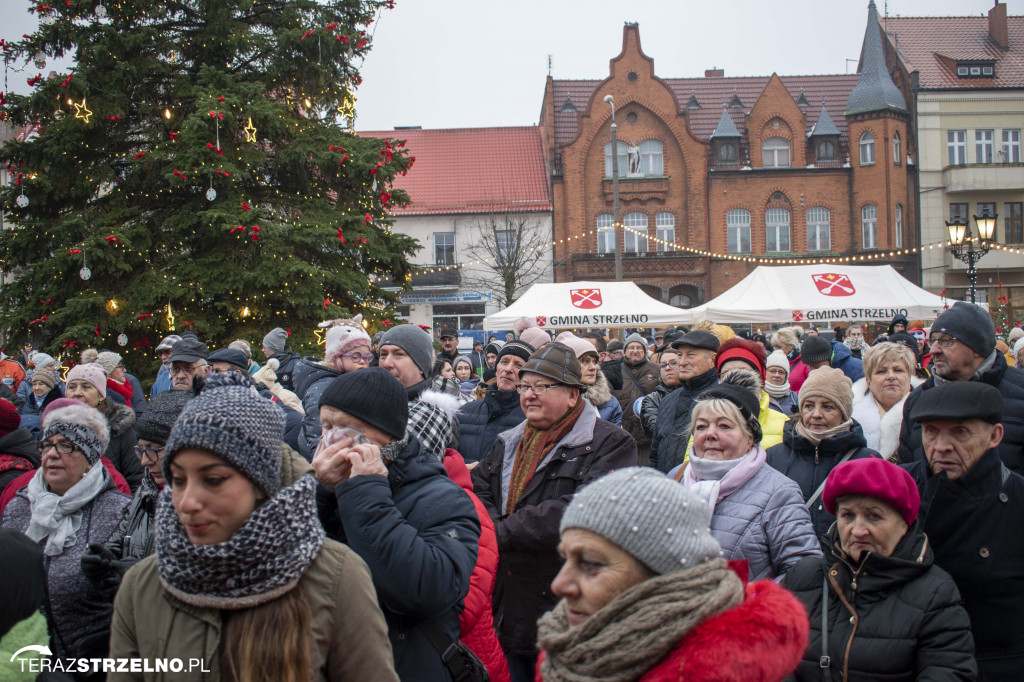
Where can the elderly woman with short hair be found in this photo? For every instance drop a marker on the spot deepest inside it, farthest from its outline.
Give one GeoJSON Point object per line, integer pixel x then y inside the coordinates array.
{"type": "Point", "coordinates": [757, 513]}
{"type": "Point", "coordinates": [889, 612]}
{"type": "Point", "coordinates": [878, 398]}
{"type": "Point", "coordinates": [645, 594]}
{"type": "Point", "coordinates": [70, 503]}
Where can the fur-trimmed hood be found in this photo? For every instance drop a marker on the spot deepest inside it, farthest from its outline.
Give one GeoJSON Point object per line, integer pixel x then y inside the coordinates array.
{"type": "Point", "coordinates": [120, 418]}
{"type": "Point", "coordinates": [446, 401]}
{"type": "Point", "coordinates": [600, 393]}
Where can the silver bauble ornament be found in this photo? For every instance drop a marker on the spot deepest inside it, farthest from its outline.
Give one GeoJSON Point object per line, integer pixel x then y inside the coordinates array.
{"type": "Point", "coordinates": [100, 11]}
{"type": "Point", "coordinates": [21, 201]}
{"type": "Point", "coordinates": [85, 273]}
{"type": "Point", "coordinates": [211, 194]}
{"type": "Point", "coordinates": [122, 339]}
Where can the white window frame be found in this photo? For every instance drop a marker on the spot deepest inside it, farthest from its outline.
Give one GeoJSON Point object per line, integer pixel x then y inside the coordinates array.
{"type": "Point", "coordinates": [773, 148]}
{"type": "Point", "coordinates": [819, 222]}
{"type": "Point", "coordinates": [738, 220]}
{"type": "Point", "coordinates": [623, 160]}
{"type": "Point", "coordinates": [866, 149]}
{"type": "Point", "coordinates": [632, 242]}
{"type": "Point", "coordinates": [606, 233]}
{"type": "Point", "coordinates": [869, 226]}
{"type": "Point", "coordinates": [445, 237]}
{"type": "Point", "coordinates": [652, 160]}
{"type": "Point", "coordinates": [776, 230]}
{"type": "Point", "coordinates": [505, 246]}
{"type": "Point", "coordinates": [898, 231]}
{"type": "Point", "coordinates": [1011, 146]}
{"type": "Point", "coordinates": [984, 145]}
{"type": "Point", "coordinates": [665, 224]}
{"type": "Point", "coordinates": [956, 147]}
{"type": "Point", "coordinates": [897, 148]}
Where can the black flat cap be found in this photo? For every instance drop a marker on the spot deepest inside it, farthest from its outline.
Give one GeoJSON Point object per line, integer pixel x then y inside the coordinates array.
{"type": "Point", "coordinates": [449, 331]}
{"type": "Point", "coordinates": [958, 401]}
{"type": "Point", "coordinates": [230, 356]}
{"type": "Point", "coordinates": [189, 350]}
{"type": "Point", "coordinates": [698, 339]}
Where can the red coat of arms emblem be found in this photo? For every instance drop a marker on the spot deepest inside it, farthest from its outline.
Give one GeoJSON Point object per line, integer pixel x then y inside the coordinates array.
{"type": "Point", "coordinates": [798, 315]}
{"type": "Point", "coordinates": [541, 320]}
{"type": "Point", "coordinates": [586, 298]}
{"type": "Point", "coordinates": [834, 284]}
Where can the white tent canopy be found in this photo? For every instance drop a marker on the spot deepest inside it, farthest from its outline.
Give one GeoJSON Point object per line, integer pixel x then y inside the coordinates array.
{"type": "Point", "coordinates": [820, 293]}
{"type": "Point", "coordinates": [567, 305]}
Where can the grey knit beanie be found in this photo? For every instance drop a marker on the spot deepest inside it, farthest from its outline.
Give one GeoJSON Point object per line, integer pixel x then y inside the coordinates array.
{"type": "Point", "coordinates": [414, 341]}
{"type": "Point", "coordinates": [658, 521]}
{"type": "Point", "coordinates": [109, 361]}
{"type": "Point", "coordinates": [230, 420]}
{"type": "Point", "coordinates": [155, 423]}
{"type": "Point", "coordinates": [276, 339]}
{"type": "Point", "coordinates": [636, 338]}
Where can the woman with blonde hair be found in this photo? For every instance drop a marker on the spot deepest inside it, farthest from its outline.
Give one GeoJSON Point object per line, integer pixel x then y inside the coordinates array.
{"type": "Point", "coordinates": [878, 398]}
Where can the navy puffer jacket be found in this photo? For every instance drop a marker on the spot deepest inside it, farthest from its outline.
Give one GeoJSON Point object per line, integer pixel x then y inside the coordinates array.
{"type": "Point", "coordinates": [311, 379]}
{"type": "Point", "coordinates": [481, 421]}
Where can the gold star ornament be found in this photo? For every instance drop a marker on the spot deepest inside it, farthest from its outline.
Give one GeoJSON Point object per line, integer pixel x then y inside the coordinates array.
{"type": "Point", "coordinates": [81, 111]}
{"type": "Point", "coordinates": [250, 131]}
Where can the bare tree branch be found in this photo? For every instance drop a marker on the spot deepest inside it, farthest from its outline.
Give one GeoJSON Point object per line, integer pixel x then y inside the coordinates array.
{"type": "Point", "coordinates": [514, 251]}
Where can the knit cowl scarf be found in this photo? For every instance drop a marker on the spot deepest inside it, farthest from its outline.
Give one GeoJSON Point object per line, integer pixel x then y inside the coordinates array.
{"type": "Point", "coordinates": [264, 559]}
{"type": "Point", "coordinates": [533, 448]}
{"type": "Point", "coordinates": [776, 391]}
{"type": "Point", "coordinates": [638, 628]}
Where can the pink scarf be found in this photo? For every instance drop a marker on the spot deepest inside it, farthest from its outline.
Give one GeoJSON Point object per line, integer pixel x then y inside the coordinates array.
{"type": "Point", "coordinates": [713, 480]}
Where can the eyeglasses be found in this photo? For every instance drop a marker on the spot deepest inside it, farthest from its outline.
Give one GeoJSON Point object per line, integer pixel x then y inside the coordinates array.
{"type": "Point", "coordinates": [63, 447]}
{"type": "Point", "coordinates": [186, 369]}
{"type": "Point", "coordinates": [538, 389]}
{"type": "Point", "coordinates": [358, 357]}
{"type": "Point", "coordinates": [669, 364]}
{"type": "Point", "coordinates": [945, 342]}
{"type": "Point", "coordinates": [153, 453]}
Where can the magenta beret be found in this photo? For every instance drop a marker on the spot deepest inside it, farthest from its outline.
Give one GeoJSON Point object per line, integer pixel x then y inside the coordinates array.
{"type": "Point", "coordinates": [877, 478]}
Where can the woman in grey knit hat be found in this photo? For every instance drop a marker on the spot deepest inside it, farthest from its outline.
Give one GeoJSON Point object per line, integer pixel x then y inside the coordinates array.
{"type": "Point", "coordinates": [241, 560]}
{"type": "Point", "coordinates": [645, 594]}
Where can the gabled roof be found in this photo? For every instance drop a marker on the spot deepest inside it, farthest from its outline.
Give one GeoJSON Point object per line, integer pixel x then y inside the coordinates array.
{"type": "Point", "coordinates": [824, 125]}
{"type": "Point", "coordinates": [712, 93]}
{"type": "Point", "coordinates": [875, 90]}
{"type": "Point", "coordinates": [473, 170]}
{"type": "Point", "coordinates": [726, 128]}
{"type": "Point", "coordinates": [932, 45]}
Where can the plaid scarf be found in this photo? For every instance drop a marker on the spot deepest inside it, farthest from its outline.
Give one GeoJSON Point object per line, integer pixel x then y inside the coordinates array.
{"type": "Point", "coordinates": [534, 446]}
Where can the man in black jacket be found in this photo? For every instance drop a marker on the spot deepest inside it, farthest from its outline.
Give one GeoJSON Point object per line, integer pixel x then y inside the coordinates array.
{"type": "Point", "coordinates": [972, 506]}
{"type": "Point", "coordinates": [963, 346]}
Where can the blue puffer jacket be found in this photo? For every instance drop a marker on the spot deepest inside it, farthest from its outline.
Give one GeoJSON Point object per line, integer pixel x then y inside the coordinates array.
{"type": "Point", "coordinates": [481, 421]}
{"type": "Point", "coordinates": [311, 380]}
{"type": "Point", "coordinates": [842, 358]}
{"type": "Point", "coordinates": [418, 532]}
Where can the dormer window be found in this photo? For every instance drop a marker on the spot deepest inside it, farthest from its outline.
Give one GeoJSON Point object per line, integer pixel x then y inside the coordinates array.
{"type": "Point", "coordinates": [976, 69]}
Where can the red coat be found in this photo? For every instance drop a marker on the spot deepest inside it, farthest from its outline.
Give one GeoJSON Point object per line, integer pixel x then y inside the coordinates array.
{"type": "Point", "coordinates": [124, 390]}
{"type": "Point", "coordinates": [798, 372]}
{"type": "Point", "coordinates": [761, 640]}
{"type": "Point", "coordinates": [476, 624]}
{"type": "Point", "coordinates": [20, 482]}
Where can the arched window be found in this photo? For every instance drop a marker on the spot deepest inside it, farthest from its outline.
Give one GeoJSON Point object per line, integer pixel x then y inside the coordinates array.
{"type": "Point", "coordinates": [623, 165]}
{"type": "Point", "coordinates": [826, 150]}
{"type": "Point", "coordinates": [727, 152]}
{"type": "Point", "coordinates": [819, 221]}
{"type": "Point", "coordinates": [867, 149]}
{"type": "Point", "coordinates": [605, 233]}
{"type": "Point", "coordinates": [775, 153]}
{"type": "Point", "coordinates": [896, 149]}
{"type": "Point", "coordinates": [898, 236]}
{"type": "Point", "coordinates": [737, 227]}
{"type": "Point", "coordinates": [651, 158]}
{"type": "Point", "coordinates": [869, 227]}
{"type": "Point", "coordinates": [632, 242]}
{"type": "Point", "coordinates": [776, 230]}
{"type": "Point", "coordinates": [666, 226]}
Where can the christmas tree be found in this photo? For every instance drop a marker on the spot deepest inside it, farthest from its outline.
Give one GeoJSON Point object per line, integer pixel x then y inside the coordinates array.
{"type": "Point", "coordinates": [196, 169]}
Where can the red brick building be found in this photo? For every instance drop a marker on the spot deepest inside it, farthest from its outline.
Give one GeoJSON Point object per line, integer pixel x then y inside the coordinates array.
{"type": "Point", "coordinates": [790, 167]}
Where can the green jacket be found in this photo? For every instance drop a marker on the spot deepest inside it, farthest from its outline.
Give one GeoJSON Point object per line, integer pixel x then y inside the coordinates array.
{"type": "Point", "coordinates": [32, 630]}
{"type": "Point", "coordinates": [150, 623]}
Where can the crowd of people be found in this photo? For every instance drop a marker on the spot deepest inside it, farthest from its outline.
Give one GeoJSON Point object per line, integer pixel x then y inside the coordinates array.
{"type": "Point", "coordinates": [698, 505]}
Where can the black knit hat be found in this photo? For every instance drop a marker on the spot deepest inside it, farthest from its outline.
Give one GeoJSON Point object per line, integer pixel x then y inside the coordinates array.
{"type": "Point", "coordinates": [815, 349]}
{"type": "Point", "coordinates": [555, 361]}
{"type": "Point", "coordinates": [969, 324]}
{"type": "Point", "coordinates": [155, 423]}
{"type": "Point", "coordinates": [907, 340]}
{"type": "Point", "coordinates": [520, 349]}
{"type": "Point", "coordinates": [958, 401]}
{"type": "Point", "coordinates": [740, 396]}
{"type": "Point", "coordinates": [373, 396]}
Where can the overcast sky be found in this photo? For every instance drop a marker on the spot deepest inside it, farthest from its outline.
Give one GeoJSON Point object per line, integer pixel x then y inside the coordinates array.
{"type": "Point", "coordinates": [474, 63]}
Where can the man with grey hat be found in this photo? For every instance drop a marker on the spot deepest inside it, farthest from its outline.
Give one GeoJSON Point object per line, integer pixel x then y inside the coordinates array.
{"type": "Point", "coordinates": [963, 347]}
{"type": "Point", "coordinates": [971, 507]}
{"type": "Point", "coordinates": [275, 345]}
{"type": "Point", "coordinates": [697, 374]}
{"type": "Point", "coordinates": [639, 377]}
{"type": "Point", "coordinates": [163, 377]}
{"type": "Point", "coordinates": [526, 481]}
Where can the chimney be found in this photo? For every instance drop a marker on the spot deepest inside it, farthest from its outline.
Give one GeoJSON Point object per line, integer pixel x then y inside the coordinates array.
{"type": "Point", "coordinates": [997, 25]}
{"type": "Point", "coordinates": [715, 72]}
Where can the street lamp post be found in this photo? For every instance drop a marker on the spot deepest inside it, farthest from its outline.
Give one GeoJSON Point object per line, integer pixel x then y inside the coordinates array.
{"type": "Point", "coordinates": [962, 244]}
{"type": "Point", "coordinates": [615, 191]}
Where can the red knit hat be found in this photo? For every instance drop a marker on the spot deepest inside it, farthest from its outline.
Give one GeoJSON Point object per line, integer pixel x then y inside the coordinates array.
{"type": "Point", "coordinates": [9, 417]}
{"type": "Point", "coordinates": [741, 349]}
{"type": "Point", "coordinates": [877, 478]}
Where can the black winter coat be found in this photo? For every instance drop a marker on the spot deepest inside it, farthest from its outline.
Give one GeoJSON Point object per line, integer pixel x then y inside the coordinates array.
{"type": "Point", "coordinates": [1010, 382]}
{"type": "Point", "coordinates": [133, 538]}
{"type": "Point", "coordinates": [121, 451]}
{"type": "Point", "coordinates": [418, 532]}
{"type": "Point", "coordinates": [287, 362]}
{"type": "Point", "coordinates": [527, 538]}
{"type": "Point", "coordinates": [650, 405]}
{"type": "Point", "coordinates": [974, 524]}
{"type": "Point", "coordinates": [809, 466]}
{"type": "Point", "coordinates": [671, 430]}
{"type": "Point", "coordinates": [311, 379]}
{"type": "Point", "coordinates": [637, 381]}
{"type": "Point", "coordinates": [481, 421]}
{"type": "Point", "coordinates": [909, 621]}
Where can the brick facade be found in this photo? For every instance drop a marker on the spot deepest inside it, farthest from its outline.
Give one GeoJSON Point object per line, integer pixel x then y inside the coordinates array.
{"type": "Point", "coordinates": [699, 189]}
